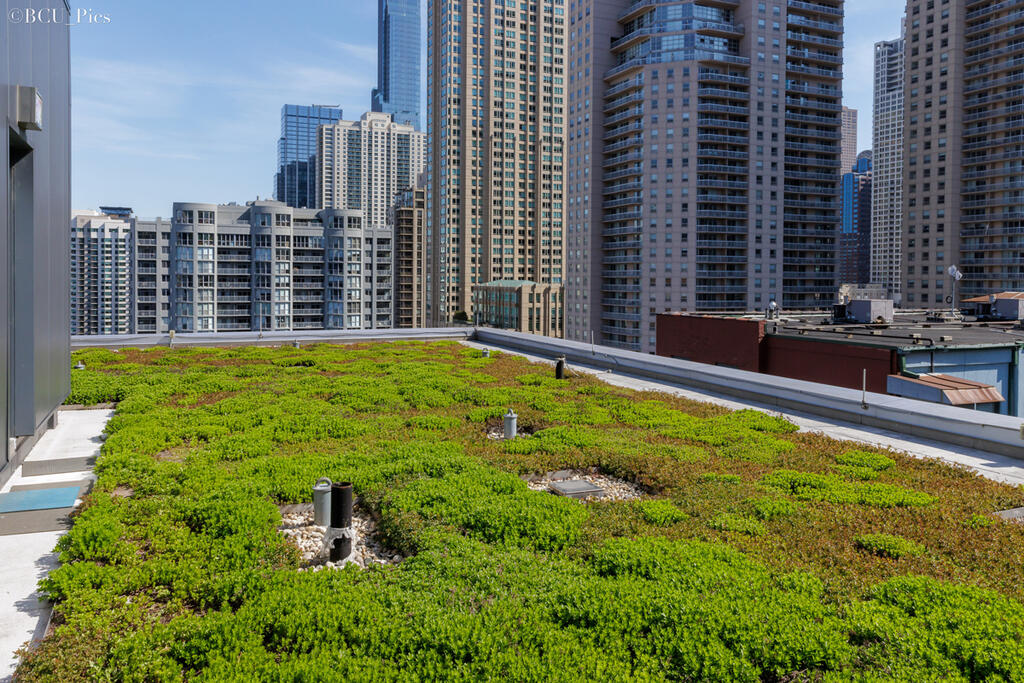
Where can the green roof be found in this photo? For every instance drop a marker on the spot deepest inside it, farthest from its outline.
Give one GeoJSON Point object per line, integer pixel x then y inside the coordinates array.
{"type": "Point", "coordinates": [755, 552]}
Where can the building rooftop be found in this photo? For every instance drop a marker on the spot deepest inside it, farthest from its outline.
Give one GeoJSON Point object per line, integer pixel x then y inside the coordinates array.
{"type": "Point", "coordinates": [779, 548]}
{"type": "Point", "coordinates": [988, 298]}
{"type": "Point", "coordinates": [907, 330]}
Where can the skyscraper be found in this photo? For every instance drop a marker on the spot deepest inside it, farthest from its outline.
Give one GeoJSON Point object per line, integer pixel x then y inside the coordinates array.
{"type": "Point", "coordinates": [991, 143]}
{"type": "Point", "coordinates": [496, 134]}
{"type": "Point", "coordinates": [849, 141]}
{"type": "Point", "coordinates": [704, 158]}
{"type": "Point", "coordinates": [295, 181]}
{"type": "Point", "coordinates": [854, 262]}
{"type": "Point", "coordinates": [364, 164]}
{"type": "Point", "coordinates": [963, 203]}
{"type": "Point", "coordinates": [398, 61]}
{"type": "Point", "coordinates": [102, 281]}
{"type": "Point", "coordinates": [887, 168]}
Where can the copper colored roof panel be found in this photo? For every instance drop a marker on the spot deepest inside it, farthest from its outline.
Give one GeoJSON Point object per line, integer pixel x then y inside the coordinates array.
{"type": "Point", "coordinates": [959, 391]}
{"type": "Point", "coordinates": [986, 298]}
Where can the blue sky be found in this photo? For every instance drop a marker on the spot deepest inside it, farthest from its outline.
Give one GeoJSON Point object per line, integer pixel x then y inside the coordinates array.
{"type": "Point", "coordinates": [181, 101]}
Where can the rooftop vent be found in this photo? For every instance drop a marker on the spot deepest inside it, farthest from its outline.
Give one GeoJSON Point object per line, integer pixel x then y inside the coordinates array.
{"type": "Point", "coordinates": [870, 311]}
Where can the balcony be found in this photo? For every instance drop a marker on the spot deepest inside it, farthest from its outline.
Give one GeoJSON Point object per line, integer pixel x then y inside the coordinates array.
{"type": "Point", "coordinates": [621, 216]}
{"type": "Point", "coordinates": [811, 89]}
{"type": "Point", "coordinates": [624, 86]}
{"type": "Point", "coordinates": [622, 159]}
{"type": "Point", "coordinates": [723, 93]}
{"type": "Point", "coordinates": [813, 38]}
{"type": "Point", "coordinates": [815, 7]}
{"type": "Point", "coordinates": [831, 162]}
{"type": "Point", "coordinates": [626, 201]}
{"type": "Point", "coordinates": [625, 244]}
{"type": "Point", "coordinates": [628, 143]}
{"type": "Point", "coordinates": [622, 230]}
{"type": "Point", "coordinates": [814, 71]}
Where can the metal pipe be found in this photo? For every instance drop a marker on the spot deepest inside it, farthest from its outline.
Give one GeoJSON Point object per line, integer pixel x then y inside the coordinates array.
{"type": "Point", "coordinates": [341, 548]}
{"type": "Point", "coordinates": [341, 505]}
{"type": "Point", "coordinates": [560, 368]}
{"type": "Point", "coordinates": [864, 390]}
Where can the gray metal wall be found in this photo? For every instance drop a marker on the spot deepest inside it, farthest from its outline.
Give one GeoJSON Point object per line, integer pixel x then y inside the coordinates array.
{"type": "Point", "coordinates": [35, 205]}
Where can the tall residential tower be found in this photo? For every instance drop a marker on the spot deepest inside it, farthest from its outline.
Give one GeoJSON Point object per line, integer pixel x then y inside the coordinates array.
{"type": "Point", "coordinates": [102, 278]}
{"type": "Point", "coordinates": [496, 128]}
{"type": "Point", "coordinates": [887, 169]}
{"type": "Point", "coordinates": [398, 61]}
{"type": "Point", "coordinates": [991, 143]}
{"type": "Point", "coordinates": [364, 164]}
{"type": "Point", "coordinates": [704, 160]}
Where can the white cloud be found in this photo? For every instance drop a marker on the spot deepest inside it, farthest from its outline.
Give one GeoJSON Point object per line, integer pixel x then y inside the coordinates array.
{"type": "Point", "coordinates": [365, 53]}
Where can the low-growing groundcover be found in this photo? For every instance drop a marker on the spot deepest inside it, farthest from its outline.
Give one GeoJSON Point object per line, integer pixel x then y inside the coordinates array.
{"type": "Point", "coordinates": [741, 565]}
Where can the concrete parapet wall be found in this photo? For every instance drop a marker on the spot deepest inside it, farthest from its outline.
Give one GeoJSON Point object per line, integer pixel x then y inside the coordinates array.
{"type": "Point", "coordinates": [984, 431]}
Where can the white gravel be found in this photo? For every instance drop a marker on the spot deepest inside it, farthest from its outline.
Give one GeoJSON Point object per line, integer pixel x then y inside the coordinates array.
{"type": "Point", "coordinates": [366, 550]}
{"type": "Point", "coordinates": [614, 489]}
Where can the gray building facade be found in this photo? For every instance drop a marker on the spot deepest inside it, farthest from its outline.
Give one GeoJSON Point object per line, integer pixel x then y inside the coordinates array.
{"type": "Point", "coordinates": [34, 249]}
{"type": "Point", "coordinates": [151, 264]}
{"type": "Point", "coordinates": [268, 266]}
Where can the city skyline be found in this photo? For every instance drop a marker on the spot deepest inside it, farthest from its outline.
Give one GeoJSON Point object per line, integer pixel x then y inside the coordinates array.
{"type": "Point", "coordinates": [130, 121]}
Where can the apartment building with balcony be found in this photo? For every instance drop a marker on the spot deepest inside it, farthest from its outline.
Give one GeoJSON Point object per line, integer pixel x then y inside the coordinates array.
{"type": "Point", "coordinates": [989, 145]}
{"type": "Point", "coordinates": [704, 160]}
{"type": "Point", "coordinates": [102, 273]}
{"type": "Point", "coordinates": [152, 274]}
{"type": "Point", "coordinates": [887, 169]}
{"type": "Point", "coordinates": [496, 96]}
{"type": "Point", "coordinates": [364, 164]}
{"type": "Point", "coordinates": [268, 266]}
{"type": "Point", "coordinates": [408, 222]}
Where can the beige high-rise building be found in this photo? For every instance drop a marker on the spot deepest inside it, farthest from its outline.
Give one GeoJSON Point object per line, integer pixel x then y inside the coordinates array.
{"type": "Point", "coordinates": [102, 281]}
{"type": "Point", "coordinates": [364, 164]}
{"type": "Point", "coordinates": [704, 161]}
{"type": "Point", "coordinates": [496, 90]}
{"type": "Point", "coordinates": [964, 149]}
{"type": "Point", "coordinates": [849, 141]}
{"type": "Point", "coordinates": [887, 168]}
{"type": "Point", "coordinates": [992, 141]}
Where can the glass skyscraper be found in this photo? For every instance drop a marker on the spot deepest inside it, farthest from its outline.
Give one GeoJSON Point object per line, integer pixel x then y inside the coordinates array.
{"type": "Point", "coordinates": [398, 61]}
{"type": "Point", "coordinates": [295, 180]}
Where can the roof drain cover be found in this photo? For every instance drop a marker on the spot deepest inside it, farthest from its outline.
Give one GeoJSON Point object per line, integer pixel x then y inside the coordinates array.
{"type": "Point", "coordinates": [577, 488]}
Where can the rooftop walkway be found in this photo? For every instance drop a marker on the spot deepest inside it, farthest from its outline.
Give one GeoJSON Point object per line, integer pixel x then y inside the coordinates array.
{"type": "Point", "coordinates": [34, 507]}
